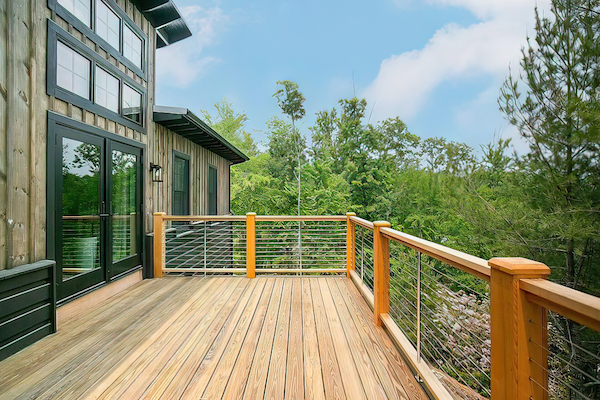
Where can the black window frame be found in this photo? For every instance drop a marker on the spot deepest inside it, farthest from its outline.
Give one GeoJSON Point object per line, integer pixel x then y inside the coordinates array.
{"type": "Point", "coordinates": [216, 187]}
{"type": "Point", "coordinates": [55, 34]}
{"type": "Point", "coordinates": [91, 34]}
{"type": "Point", "coordinates": [187, 158]}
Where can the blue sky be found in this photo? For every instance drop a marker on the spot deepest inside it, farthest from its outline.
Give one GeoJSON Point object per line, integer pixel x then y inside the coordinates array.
{"type": "Point", "coordinates": [436, 64]}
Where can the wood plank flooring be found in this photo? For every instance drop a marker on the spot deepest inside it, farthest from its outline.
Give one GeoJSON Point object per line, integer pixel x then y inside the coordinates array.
{"type": "Point", "coordinates": [217, 338]}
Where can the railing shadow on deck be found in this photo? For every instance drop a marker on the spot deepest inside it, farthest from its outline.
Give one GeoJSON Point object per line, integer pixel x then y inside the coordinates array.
{"type": "Point", "coordinates": [469, 328]}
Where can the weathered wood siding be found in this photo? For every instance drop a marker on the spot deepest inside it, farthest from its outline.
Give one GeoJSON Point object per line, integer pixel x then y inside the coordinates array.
{"type": "Point", "coordinates": [160, 195]}
{"type": "Point", "coordinates": [23, 132]}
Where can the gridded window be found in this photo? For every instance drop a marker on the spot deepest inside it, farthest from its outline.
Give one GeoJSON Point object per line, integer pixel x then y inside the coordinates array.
{"type": "Point", "coordinates": [132, 47]}
{"type": "Point", "coordinates": [132, 104]}
{"type": "Point", "coordinates": [181, 188]}
{"type": "Point", "coordinates": [212, 190]}
{"type": "Point", "coordinates": [72, 71]}
{"type": "Point", "coordinates": [107, 24]}
{"type": "Point", "coordinates": [107, 90]}
{"type": "Point", "coordinates": [82, 9]}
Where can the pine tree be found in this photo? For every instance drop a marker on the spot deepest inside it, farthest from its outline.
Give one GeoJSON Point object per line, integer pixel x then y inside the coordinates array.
{"type": "Point", "coordinates": [558, 116]}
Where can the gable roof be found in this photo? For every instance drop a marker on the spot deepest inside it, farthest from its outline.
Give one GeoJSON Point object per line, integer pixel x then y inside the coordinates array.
{"type": "Point", "coordinates": [185, 123]}
{"type": "Point", "coordinates": [164, 16]}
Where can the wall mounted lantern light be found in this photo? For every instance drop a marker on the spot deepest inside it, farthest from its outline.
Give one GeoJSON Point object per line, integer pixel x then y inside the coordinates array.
{"type": "Point", "coordinates": [156, 171]}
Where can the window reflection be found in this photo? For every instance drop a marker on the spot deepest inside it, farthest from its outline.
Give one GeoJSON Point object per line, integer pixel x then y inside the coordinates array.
{"type": "Point", "coordinates": [124, 193]}
{"type": "Point", "coordinates": [132, 104]}
{"type": "Point", "coordinates": [81, 222]}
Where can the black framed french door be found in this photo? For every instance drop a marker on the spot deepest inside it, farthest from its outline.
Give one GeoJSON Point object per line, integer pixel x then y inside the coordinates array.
{"type": "Point", "coordinates": [94, 206]}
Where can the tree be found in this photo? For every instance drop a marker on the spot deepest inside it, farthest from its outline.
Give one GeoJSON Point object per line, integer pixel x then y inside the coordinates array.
{"type": "Point", "coordinates": [230, 125]}
{"type": "Point", "coordinates": [558, 116]}
{"type": "Point", "coordinates": [291, 102]}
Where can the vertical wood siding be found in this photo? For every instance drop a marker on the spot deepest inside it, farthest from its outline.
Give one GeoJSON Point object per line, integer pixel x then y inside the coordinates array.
{"type": "Point", "coordinates": [23, 132]}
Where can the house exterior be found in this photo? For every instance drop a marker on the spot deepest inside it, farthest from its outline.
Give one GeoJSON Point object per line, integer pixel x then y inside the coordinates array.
{"type": "Point", "coordinates": [86, 156]}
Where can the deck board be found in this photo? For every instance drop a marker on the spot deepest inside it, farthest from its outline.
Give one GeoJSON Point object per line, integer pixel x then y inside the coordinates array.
{"type": "Point", "coordinates": [217, 337]}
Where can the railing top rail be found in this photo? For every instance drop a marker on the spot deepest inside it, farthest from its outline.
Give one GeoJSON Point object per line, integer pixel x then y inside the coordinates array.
{"type": "Point", "coordinates": [362, 222]}
{"type": "Point", "coordinates": [573, 304]}
{"type": "Point", "coordinates": [204, 217]}
{"type": "Point", "coordinates": [300, 218]}
{"type": "Point", "coordinates": [474, 265]}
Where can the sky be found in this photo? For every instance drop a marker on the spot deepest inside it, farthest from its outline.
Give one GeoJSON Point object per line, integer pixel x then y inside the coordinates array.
{"type": "Point", "coordinates": [436, 64]}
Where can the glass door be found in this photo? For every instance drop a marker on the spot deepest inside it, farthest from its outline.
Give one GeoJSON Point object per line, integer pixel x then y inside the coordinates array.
{"type": "Point", "coordinates": [125, 208]}
{"type": "Point", "coordinates": [97, 203]}
{"type": "Point", "coordinates": [81, 233]}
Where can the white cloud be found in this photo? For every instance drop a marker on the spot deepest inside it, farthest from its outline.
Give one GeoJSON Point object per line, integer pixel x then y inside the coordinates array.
{"type": "Point", "coordinates": [181, 63]}
{"type": "Point", "coordinates": [406, 81]}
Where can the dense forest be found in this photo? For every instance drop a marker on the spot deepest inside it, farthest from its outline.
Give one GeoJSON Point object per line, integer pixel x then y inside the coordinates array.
{"type": "Point", "coordinates": [543, 205]}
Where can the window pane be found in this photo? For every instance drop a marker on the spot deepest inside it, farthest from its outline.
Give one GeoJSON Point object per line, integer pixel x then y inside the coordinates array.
{"type": "Point", "coordinates": [73, 71]}
{"type": "Point", "coordinates": [107, 90]}
{"type": "Point", "coordinates": [212, 191]}
{"type": "Point", "coordinates": [132, 104]}
{"type": "Point", "coordinates": [124, 218]}
{"type": "Point", "coordinates": [132, 47]}
{"type": "Point", "coordinates": [80, 200]}
{"type": "Point", "coordinates": [181, 189]}
{"type": "Point", "coordinates": [107, 24]}
{"type": "Point", "coordinates": [79, 8]}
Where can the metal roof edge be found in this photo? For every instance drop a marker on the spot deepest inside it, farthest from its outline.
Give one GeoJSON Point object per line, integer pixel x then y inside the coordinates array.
{"type": "Point", "coordinates": [202, 126]}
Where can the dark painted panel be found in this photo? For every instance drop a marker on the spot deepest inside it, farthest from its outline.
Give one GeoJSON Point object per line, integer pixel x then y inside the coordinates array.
{"type": "Point", "coordinates": [8, 349]}
{"type": "Point", "coordinates": [27, 305]}
{"type": "Point", "coordinates": [8, 286]}
{"type": "Point", "coordinates": [24, 300]}
{"type": "Point", "coordinates": [25, 322]}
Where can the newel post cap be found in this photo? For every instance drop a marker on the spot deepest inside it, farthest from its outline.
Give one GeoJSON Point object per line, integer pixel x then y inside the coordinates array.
{"type": "Point", "coordinates": [350, 214]}
{"type": "Point", "coordinates": [251, 214]}
{"type": "Point", "coordinates": [381, 224]}
{"type": "Point", "coordinates": [160, 213]}
{"type": "Point", "coordinates": [519, 266]}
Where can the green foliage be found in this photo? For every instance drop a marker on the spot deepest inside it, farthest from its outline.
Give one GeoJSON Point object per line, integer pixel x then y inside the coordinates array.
{"type": "Point", "coordinates": [558, 116]}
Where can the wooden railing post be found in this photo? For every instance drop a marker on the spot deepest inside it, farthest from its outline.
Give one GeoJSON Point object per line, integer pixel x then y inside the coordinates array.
{"type": "Point", "coordinates": [159, 244]}
{"type": "Point", "coordinates": [519, 361]}
{"type": "Point", "coordinates": [350, 245]}
{"type": "Point", "coordinates": [251, 245]}
{"type": "Point", "coordinates": [381, 259]}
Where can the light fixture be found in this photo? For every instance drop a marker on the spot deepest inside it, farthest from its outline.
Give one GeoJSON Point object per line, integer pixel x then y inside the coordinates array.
{"type": "Point", "coordinates": [156, 172]}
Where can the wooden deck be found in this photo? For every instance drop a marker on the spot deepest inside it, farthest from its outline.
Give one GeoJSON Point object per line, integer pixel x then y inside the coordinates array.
{"type": "Point", "coordinates": [217, 337]}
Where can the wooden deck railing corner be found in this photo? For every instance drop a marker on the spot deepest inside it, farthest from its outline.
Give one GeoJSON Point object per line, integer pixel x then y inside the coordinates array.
{"type": "Point", "coordinates": [159, 244]}
{"type": "Point", "coordinates": [350, 237]}
{"type": "Point", "coordinates": [251, 245]}
{"type": "Point", "coordinates": [515, 322]}
{"type": "Point", "coordinates": [381, 258]}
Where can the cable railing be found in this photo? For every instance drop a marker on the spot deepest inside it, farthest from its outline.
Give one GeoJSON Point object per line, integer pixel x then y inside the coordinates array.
{"type": "Point", "coordinates": [204, 245]}
{"type": "Point", "coordinates": [81, 236]}
{"type": "Point", "coordinates": [469, 328]}
{"type": "Point", "coordinates": [300, 245]}
{"type": "Point", "coordinates": [363, 253]}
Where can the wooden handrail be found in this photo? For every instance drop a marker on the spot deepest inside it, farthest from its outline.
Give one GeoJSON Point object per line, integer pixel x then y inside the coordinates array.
{"type": "Point", "coordinates": [224, 218]}
{"type": "Point", "coordinates": [466, 262]}
{"type": "Point", "coordinates": [301, 218]}
{"type": "Point", "coordinates": [570, 303]}
{"type": "Point", "coordinates": [362, 222]}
